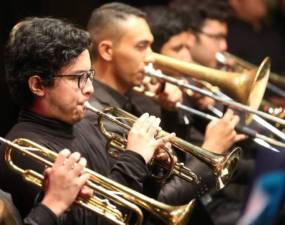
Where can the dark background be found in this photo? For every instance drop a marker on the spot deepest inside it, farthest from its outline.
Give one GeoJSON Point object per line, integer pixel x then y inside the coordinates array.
{"type": "Point", "coordinates": [77, 11]}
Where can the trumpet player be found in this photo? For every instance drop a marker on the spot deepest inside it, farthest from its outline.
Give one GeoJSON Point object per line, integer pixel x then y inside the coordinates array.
{"type": "Point", "coordinates": [122, 42]}
{"type": "Point", "coordinates": [64, 182]}
{"type": "Point", "coordinates": [50, 77]}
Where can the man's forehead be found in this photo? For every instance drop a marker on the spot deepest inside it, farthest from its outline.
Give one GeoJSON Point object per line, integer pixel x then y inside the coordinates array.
{"type": "Point", "coordinates": [215, 25]}
{"type": "Point", "coordinates": [136, 28]}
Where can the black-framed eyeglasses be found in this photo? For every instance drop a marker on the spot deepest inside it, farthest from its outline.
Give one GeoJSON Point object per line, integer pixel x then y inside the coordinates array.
{"type": "Point", "coordinates": [82, 77]}
{"type": "Point", "coordinates": [216, 37]}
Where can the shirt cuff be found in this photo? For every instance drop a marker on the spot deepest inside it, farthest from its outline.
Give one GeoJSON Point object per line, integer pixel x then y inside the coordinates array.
{"type": "Point", "coordinates": [41, 214]}
{"type": "Point", "coordinates": [132, 164]}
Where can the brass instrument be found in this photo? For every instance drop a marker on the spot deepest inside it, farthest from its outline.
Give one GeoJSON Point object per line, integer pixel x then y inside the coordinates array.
{"type": "Point", "coordinates": [102, 186]}
{"type": "Point", "coordinates": [238, 64]}
{"type": "Point", "coordinates": [222, 166]}
{"type": "Point", "coordinates": [247, 88]}
{"type": "Point", "coordinates": [239, 128]}
{"type": "Point", "coordinates": [276, 83]}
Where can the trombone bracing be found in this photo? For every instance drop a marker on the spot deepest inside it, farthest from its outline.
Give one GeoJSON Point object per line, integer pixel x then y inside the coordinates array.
{"type": "Point", "coordinates": [276, 84]}
{"type": "Point", "coordinates": [150, 71]}
{"type": "Point", "coordinates": [113, 192]}
{"type": "Point", "coordinates": [222, 166]}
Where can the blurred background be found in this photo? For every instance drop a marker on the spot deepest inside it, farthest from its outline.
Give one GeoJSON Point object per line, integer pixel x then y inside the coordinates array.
{"type": "Point", "coordinates": [78, 11]}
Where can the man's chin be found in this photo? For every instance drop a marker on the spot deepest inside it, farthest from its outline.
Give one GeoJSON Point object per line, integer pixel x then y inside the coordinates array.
{"type": "Point", "coordinates": [78, 117]}
{"type": "Point", "coordinates": [138, 82]}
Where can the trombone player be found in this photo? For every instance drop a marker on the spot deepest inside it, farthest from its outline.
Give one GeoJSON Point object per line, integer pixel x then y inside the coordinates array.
{"type": "Point", "coordinates": [207, 24]}
{"type": "Point", "coordinates": [50, 77]}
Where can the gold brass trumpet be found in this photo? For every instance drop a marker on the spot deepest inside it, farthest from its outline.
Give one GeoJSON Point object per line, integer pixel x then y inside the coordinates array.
{"type": "Point", "coordinates": [112, 191]}
{"type": "Point", "coordinates": [222, 166]}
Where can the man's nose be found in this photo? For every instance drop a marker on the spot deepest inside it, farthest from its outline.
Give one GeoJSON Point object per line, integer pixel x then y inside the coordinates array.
{"type": "Point", "coordinates": [149, 56]}
{"type": "Point", "coordinates": [88, 89]}
{"type": "Point", "coordinates": [223, 45]}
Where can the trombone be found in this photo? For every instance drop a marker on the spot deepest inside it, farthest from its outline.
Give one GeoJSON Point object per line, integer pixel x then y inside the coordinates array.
{"type": "Point", "coordinates": [246, 88]}
{"type": "Point", "coordinates": [102, 186]}
{"type": "Point", "coordinates": [222, 165]}
{"type": "Point", "coordinates": [276, 84]}
{"type": "Point", "coordinates": [151, 72]}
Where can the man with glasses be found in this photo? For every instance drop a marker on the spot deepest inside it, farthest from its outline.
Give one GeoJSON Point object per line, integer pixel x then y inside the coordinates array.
{"type": "Point", "coordinates": [207, 22]}
{"type": "Point", "coordinates": [49, 75]}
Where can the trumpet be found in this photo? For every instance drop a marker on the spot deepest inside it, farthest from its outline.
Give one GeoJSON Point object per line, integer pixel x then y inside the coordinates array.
{"type": "Point", "coordinates": [113, 192]}
{"type": "Point", "coordinates": [223, 166]}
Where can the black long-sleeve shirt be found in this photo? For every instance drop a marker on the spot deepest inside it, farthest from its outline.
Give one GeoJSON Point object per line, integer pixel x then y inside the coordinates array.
{"type": "Point", "coordinates": [175, 191]}
{"type": "Point", "coordinates": [39, 215]}
{"type": "Point", "coordinates": [130, 169]}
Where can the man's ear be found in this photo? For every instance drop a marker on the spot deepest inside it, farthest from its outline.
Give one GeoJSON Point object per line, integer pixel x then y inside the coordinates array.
{"type": "Point", "coordinates": [105, 49]}
{"type": "Point", "coordinates": [35, 85]}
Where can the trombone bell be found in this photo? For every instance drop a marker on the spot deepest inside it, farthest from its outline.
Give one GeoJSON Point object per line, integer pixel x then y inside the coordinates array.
{"type": "Point", "coordinates": [247, 88]}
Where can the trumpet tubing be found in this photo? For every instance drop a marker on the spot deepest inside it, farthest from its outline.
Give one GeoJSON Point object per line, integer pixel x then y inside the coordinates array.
{"type": "Point", "coordinates": [111, 190]}
{"type": "Point", "coordinates": [223, 166]}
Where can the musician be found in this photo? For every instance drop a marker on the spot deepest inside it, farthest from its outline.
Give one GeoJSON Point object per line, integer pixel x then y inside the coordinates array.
{"type": "Point", "coordinates": [208, 25]}
{"type": "Point", "coordinates": [49, 75]}
{"type": "Point", "coordinates": [171, 41]}
{"type": "Point", "coordinates": [63, 184]}
{"type": "Point", "coordinates": [121, 48]}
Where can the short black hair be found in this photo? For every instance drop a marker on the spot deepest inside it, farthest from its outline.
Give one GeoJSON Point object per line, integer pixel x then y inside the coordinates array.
{"type": "Point", "coordinates": [103, 21]}
{"type": "Point", "coordinates": [195, 13]}
{"type": "Point", "coordinates": [40, 46]}
{"type": "Point", "coordinates": [164, 23]}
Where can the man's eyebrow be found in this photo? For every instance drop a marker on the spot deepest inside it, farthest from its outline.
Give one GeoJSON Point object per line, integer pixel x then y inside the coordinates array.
{"type": "Point", "coordinates": [176, 47]}
{"type": "Point", "coordinates": [144, 42]}
{"type": "Point", "coordinates": [78, 71]}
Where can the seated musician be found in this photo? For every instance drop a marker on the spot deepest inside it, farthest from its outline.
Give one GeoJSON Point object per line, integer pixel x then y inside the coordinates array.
{"type": "Point", "coordinates": [121, 49]}
{"type": "Point", "coordinates": [49, 75]}
{"type": "Point", "coordinates": [63, 182]}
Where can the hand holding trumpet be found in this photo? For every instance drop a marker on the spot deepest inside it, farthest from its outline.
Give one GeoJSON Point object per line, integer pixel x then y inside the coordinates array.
{"type": "Point", "coordinates": [64, 181]}
{"type": "Point", "coordinates": [143, 139]}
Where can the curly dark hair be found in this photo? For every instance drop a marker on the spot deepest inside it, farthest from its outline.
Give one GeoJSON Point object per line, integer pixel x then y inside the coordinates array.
{"type": "Point", "coordinates": [40, 46]}
{"type": "Point", "coordinates": [164, 23]}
